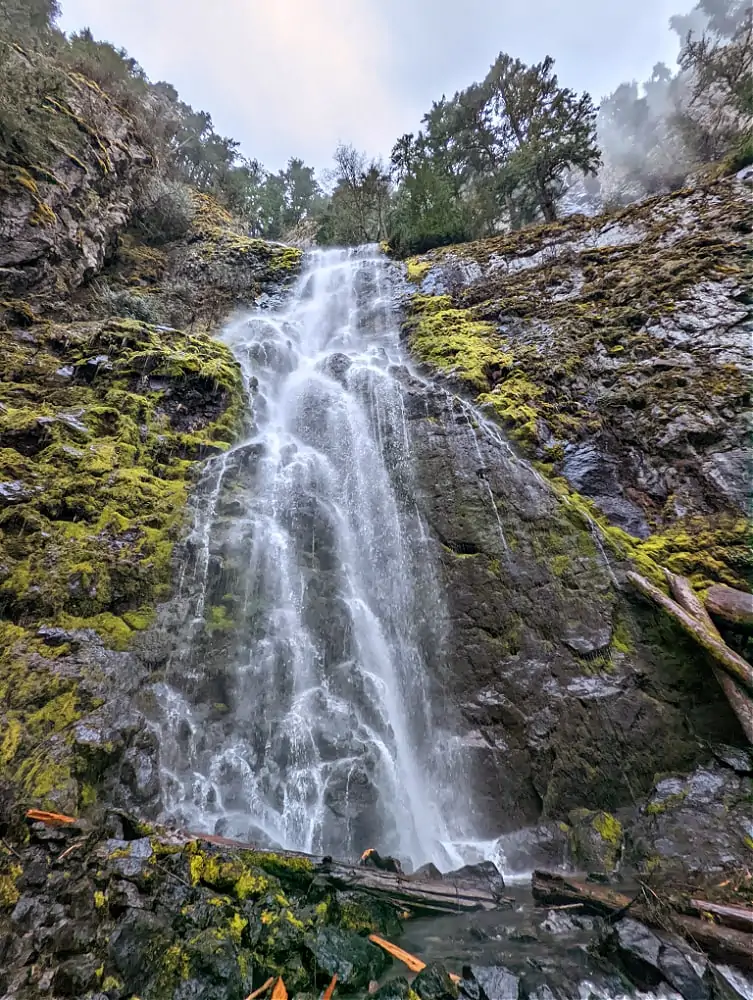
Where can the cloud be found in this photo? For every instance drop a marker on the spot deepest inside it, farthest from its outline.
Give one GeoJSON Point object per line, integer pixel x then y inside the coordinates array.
{"type": "Point", "coordinates": [294, 77]}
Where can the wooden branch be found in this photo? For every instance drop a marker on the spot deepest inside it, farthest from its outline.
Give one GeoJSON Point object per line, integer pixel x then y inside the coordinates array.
{"type": "Point", "coordinates": [739, 702]}
{"type": "Point", "coordinates": [725, 657]}
{"type": "Point", "coordinates": [554, 890]}
{"type": "Point", "coordinates": [721, 942]}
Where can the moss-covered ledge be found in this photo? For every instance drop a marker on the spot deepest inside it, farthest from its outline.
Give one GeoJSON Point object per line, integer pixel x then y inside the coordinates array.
{"type": "Point", "coordinates": [102, 428]}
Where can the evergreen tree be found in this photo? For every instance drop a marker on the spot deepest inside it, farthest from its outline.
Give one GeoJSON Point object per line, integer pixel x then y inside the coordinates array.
{"type": "Point", "coordinates": [537, 130]}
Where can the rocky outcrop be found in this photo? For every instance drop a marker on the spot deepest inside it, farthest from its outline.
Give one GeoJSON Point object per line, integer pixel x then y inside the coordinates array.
{"type": "Point", "coordinates": [616, 351]}
{"type": "Point", "coordinates": [112, 393]}
{"type": "Point", "coordinates": [119, 910]}
{"type": "Point", "coordinates": [60, 220]}
{"type": "Point", "coordinates": [568, 693]}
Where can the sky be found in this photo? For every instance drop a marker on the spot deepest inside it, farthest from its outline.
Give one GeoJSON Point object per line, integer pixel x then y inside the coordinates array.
{"type": "Point", "coordinates": [295, 77]}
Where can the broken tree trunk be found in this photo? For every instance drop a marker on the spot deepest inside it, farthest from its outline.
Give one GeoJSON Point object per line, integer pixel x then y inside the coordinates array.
{"type": "Point", "coordinates": [723, 943]}
{"type": "Point", "coordinates": [452, 893]}
{"type": "Point", "coordinates": [735, 675]}
{"type": "Point", "coordinates": [740, 703]}
{"type": "Point", "coordinates": [729, 915]}
{"type": "Point", "coordinates": [733, 606]}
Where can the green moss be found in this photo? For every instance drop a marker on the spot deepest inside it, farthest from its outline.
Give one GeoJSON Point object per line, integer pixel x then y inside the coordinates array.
{"type": "Point", "coordinates": [621, 639]}
{"type": "Point", "coordinates": [218, 620]}
{"type": "Point", "coordinates": [250, 884]}
{"type": "Point", "coordinates": [417, 269]}
{"type": "Point", "coordinates": [670, 802]}
{"type": "Point", "coordinates": [449, 339]}
{"type": "Point", "coordinates": [100, 899]}
{"type": "Point", "coordinates": [106, 461]}
{"type": "Point", "coordinates": [9, 894]}
{"type": "Point", "coordinates": [526, 350]}
{"type": "Point", "coordinates": [111, 983]}
{"type": "Point", "coordinates": [608, 828]}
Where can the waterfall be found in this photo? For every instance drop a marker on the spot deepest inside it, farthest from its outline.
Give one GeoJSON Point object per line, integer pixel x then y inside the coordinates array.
{"type": "Point", "coordinates": [297, 707]}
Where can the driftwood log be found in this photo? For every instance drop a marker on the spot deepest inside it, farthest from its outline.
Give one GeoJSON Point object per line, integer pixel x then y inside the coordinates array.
{"type": "Point", "coordinates": [735, 675]}
{"type": "Point", "coordinates": [721, 937]}
{"type": "Point", "coordinates": [419, 893]}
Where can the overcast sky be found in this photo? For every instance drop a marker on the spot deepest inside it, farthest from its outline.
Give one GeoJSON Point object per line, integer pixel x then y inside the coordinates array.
{"type": "Point", "coordinates": [294, 77]}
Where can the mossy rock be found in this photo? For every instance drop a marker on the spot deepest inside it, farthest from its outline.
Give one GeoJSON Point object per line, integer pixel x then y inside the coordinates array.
{"type": "Point", "coordinates": [595, 840]}
{"type": "Point", "coordinates": [101, 426]}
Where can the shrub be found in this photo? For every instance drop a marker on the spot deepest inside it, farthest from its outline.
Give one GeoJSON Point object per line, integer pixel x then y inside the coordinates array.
{"type": "Point", "coordinates": [165, 213]}
{"type": "Point", "coordinates": [123, 302]}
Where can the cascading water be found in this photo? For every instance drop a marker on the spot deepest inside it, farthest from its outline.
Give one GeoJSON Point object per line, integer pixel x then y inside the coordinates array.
{"type": "Point", "coordinates": [296, 708]}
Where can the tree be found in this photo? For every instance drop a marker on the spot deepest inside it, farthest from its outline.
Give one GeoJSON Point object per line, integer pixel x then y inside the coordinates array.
{"type": "Point", "coordinates": [357, 212]}
{"type": "Point", "coordinates": [719, 111]}
{"type": "Point", "coordinates": [426, 213]}
{"type": "Point", "coordinates": [24, 19]}
{"type": "Point", "coordinates": [536, 129]}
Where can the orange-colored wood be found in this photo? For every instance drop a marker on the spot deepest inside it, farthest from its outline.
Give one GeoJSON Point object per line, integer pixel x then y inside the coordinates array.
{"type": "Point", "coordinates": [48, 817]}
{"type": "Point", "coordinates": [413, 963]}
{"type": "Point", "coordinates": [279, 992]}
{"type": "Point", "coordinates": [261, 989]}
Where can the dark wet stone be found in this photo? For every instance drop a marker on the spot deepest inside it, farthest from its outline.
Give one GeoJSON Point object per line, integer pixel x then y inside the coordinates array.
{"type": "Point", "coordinates": [740, 759]}
{"type": "Point", "coordinates": [727, 983]}
{"type": "Point", "coordinates": [649, 958]}
{"type": "Point", "coordinates": [496, 982]}
{"type": "Point", "coordinates": [428, 871]}
{"type": "Point", "coordinates": [395, 989]}
{"type": "Point", "coordinates": [434, 983]}
{"type": "Point", "coordinates": [694, 824]}
{"type": "Point", "coordinates": [74, 977]}
{"type": "Point", "coordinates": [52, 636]}
{"type": "Point", "coordinates": [336, 366]}
{"type": "Point", "coordinates": [353, 959]}
{"type": "Point", "coordinates": [14, 492]}
{"type": "Point", "coordinates": [138, 935]}
{"type": "Point", "coordinates": [484, 875]}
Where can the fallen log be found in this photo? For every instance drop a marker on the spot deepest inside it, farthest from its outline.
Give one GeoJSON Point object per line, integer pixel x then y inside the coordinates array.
{"type": "Point", "coordinates": [420, 894]}
{"type": "Point", "coordinates": [555, 890]}
{"type": "Point", "coordinates": [733, 606]}
{"type": "Point", "coordinates": [725, 657]}
{"type": "Point", "coordinates": [722, 943]}
{"type": "Point", "coordinates": [738, 700]}
{"type": "Point", "coordinates": [738, 917]}
{"type": "Point", "coordinates": [734, 674]}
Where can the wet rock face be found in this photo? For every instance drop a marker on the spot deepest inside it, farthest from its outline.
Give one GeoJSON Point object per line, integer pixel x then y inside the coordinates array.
{"type": "Point", "coordinates": [568, 694]}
